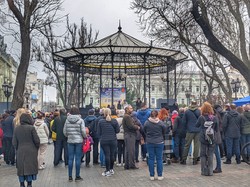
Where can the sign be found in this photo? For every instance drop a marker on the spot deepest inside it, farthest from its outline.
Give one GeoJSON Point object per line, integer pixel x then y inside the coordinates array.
{"type": "Point", "coordinates": [106, 96]}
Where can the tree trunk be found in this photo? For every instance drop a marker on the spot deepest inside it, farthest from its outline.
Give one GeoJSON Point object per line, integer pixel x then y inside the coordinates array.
{"type": "Point", "coordinates": [18, 99]}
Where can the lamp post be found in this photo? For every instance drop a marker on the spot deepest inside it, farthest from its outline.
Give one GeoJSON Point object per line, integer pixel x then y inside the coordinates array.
{"type": "Point", "coordinates": [7, 89]}
{"type": "Point", "coordinates": [235, 84]}
{"type": "Point", "coordinates": [188, 95]}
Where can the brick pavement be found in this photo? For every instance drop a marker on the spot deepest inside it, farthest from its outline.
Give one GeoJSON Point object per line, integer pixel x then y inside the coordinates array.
{"type": "Point", "coordinates": [174, 175]}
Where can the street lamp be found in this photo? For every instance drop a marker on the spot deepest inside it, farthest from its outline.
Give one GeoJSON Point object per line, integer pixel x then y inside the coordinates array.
{"type": "Point", "coordinates": [188, 95]}
{"type": "Point", "coordinates": [235, 84]}
{"type": "Point", "coordinates": [7, 89]}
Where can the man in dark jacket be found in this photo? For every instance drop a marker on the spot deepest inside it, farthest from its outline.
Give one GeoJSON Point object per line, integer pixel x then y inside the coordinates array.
{"type": "Point", "coordinates": [61, 140]}
{"type": "Point", "coordinates": [190, 118]}
{"type": "Point", "coordinates": [8, 129]}
{"type": "Point", "coordinates": [232, 123]}
{"type": "Point", "coordinates": [90, 123]}
{"type": "Point", "coordinates": [129, 138]}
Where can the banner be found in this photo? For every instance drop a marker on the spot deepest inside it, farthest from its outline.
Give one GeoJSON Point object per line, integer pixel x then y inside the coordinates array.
{"type": "Point", "coordinates": [106, 96]}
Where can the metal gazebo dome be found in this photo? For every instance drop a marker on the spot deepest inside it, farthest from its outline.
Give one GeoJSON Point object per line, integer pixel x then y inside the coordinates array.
{"type": "Point", "coordinates": [119, 54]}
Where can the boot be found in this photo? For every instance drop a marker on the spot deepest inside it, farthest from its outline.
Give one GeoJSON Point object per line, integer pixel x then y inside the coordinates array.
{"type": "Point", "coordinates": [227, 161]}
{"type": "Point", "coordinates": [183, 162]}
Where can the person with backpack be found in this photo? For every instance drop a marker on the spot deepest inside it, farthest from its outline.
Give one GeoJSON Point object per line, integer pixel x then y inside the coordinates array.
{"type": "Point", "coordinates": [232, 123]}
{"type": "Point", "coordinates": [208, 123]}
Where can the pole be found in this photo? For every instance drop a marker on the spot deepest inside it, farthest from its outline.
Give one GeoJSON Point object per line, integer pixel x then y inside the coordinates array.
{"type": "Point", "coordinates": [235, 89]}
{"type": "Point", "coordinates": [7, 103]}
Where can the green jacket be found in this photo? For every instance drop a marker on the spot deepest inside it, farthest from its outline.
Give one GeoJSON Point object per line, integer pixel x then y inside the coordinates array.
{"type": "Point", "coordinates": [245, 128]}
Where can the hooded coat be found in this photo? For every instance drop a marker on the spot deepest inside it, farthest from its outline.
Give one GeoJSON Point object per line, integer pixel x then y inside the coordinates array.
{"type": "Point", "coordinates": [74, 129]}
{"type": "Point", "coordinates": [26, 143]}
{"type": "Point", "coordinates": [190, 118]}
{"type": "Point", "coordinates": [232, 123]}
{"type": "Point", "coordinates": [42, 131]}
{"type": "Point", "coordinates": [245, 129]}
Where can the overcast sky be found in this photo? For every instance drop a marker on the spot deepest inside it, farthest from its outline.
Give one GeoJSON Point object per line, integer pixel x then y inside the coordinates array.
{"type": "Point", "coordinates": [104, 15]}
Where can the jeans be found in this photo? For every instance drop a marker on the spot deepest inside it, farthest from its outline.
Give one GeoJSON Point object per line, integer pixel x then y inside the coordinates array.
{"type": "Point", "coordinates": [217, 156]}
{"type": "Point", "coordinates": [143, 151]}
{"type": "Point", "coordinates": [109, 152]}
{"type": "Point", "coordinates": [245, 138]}
{"type": "Point", "coordinates": [102, 157]}
{"type": "Point", "coordinates": [59, 146]}
{"type": "Point", "coordinates": [206, 156]}
{"type": "Point", "coordinates": [233, 146]}
{"type": "Point", "coordinates": [155, 151]}
{"type": "Point", "coordinates": [75, 152]}
{"type": "Point", "coordinates": [179, 144]}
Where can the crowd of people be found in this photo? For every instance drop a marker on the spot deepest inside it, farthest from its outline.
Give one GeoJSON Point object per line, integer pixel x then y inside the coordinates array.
{"type": "Point", "coordinates": [113, 136]}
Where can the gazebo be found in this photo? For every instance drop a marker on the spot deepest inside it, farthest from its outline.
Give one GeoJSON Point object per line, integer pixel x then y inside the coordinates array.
{"type": "Point", "coordinates": [119, 56]}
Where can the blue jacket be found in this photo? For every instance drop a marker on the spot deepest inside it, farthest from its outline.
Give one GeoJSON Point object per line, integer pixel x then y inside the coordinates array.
{"type": "Point", "coordinates": [107, 130]}
{"type": "Point", "coordinates": [8, 127]}
{"type": "Point", "coordinates": [143, 115]}
{"type": "Point", "coordinates": [190, 118]}
{"type": "Point", "coordinates": [90, 123]}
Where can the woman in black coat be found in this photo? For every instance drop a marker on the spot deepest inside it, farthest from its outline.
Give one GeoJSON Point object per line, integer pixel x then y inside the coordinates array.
{"type": "Point", "coordinates": [26, 143]}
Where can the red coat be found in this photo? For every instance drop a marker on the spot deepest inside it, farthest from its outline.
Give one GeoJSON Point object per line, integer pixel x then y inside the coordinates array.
{"type": "Point", "coordinates": [1, 137]}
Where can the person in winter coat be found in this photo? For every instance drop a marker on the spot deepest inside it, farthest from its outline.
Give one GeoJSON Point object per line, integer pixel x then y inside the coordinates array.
{"type": "Point", "coordinates": [120, 139]}
{"type": "Point", "coordinates": [245, 129]}
{"type": "Point", "coordinates": [43, 134]}
{"type": "Point", "coordinates": [26, 143]}
{"type": "Point", "coordinates": [207, 145]}
{"type": "Point", "coordinates": [74, 130]}
{"type": "Point", "coordinates": [179, 134]}
{"type": "Point", "coordinates": [154, 130]}
{"type": "Point", "coordinates": [232, 123]}
{"type": "Point", "coordinates": [190, 118]}
{"type": "Point", "coordinates": [107, 130]}
{"type": "Point", "coordinates": [8, 129]}
{"type": "Point", "coordinates": [61, 140]}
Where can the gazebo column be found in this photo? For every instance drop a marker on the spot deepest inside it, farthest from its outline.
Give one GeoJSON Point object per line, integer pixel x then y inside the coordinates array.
{"type": "Point", "coordinates": [167, 84]}
{"type": "Point", "coordinates": [175, 84]}
{"type": "Point", "coordinates": [100, 91]}
{"type": "Point", "coordinates": [149, 88]}
{"type": "Point", "coordinates": [144, 82]}
{"type": "Point", "coordinates": [65, 86]}
{"type": "Point", "coordinates": [112, 82]}
{"type": "Point", "coordinates": [82, 83]}
{"type": "Point", "coordinates": [78, 88]}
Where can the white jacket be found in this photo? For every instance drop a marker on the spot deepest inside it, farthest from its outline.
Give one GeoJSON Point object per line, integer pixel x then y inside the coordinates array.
{"type": "Point", "coordinates": [42, 130]}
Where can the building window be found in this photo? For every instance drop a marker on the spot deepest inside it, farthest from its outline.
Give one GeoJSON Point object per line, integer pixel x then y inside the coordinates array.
{"type": "Point", "coordinates": [182, 101]}
{"type": "Point", "coordinates": [153, 88]}
{"type": "Point", "coordinates": [160, 88]}
{"type": "Point", "coordinates": [153, 101]}
{"type": "Point", "coordinates": [182, 88]}
{"type": "Point", "coordinates": [91, 100]}
{"type": "Point", "coordinates": [204, 89]}
{"type": "Point", "coordinates": [197, 89]}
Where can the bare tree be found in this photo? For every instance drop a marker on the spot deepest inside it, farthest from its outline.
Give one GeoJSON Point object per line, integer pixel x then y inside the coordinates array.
{"type": "Point", "coordinates": [28, 15]}
{"type": "Point", "coordinates": [171, 23]}
{"type": "Point", "coordinates": [43, 52]}
{"type": "Point", "coordinates": [239, 12]}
